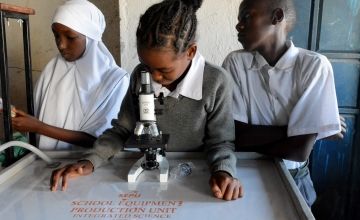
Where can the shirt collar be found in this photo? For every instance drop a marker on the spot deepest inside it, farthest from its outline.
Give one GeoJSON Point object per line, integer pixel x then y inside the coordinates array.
{"type": "Point", "coordinates": [257, 61]}
{"type": "Point", "coordinates": [191, 85]}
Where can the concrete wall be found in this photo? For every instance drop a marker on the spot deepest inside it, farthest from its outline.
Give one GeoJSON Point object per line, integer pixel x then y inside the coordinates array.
{"type": "Point", "coordinates": [42, 46]}
{"type": "Point", "coordinates": [216, 30]}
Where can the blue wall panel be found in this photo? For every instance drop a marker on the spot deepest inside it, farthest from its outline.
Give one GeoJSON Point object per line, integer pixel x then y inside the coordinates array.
{"type": "Point", "coordinates": [300, 32]}
{"type": "Point", "coordinates": [346, 74]}
{"type": "Point", "coordinates": [340, 26]}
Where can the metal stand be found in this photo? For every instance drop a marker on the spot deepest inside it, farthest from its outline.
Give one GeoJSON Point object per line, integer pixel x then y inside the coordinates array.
{"type": "Point", "coordinates": [14, 12]}
{"type": "Point", "coordinates": [154, 156]}
{"type": "Point", "coordinates": [138, 168]}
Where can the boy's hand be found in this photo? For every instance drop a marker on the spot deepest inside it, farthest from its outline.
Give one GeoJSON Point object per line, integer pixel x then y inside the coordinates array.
{"type": "Point", "coordinates": [225, 187]}
{"type": "Point", "coordinates": [24, 122]}
{"type": "Point", "coordinates": [343, 127]}
{"type": "Point", "coordinates": [341, 134]}
{"type": "Point", "coordinates": [81, 168]}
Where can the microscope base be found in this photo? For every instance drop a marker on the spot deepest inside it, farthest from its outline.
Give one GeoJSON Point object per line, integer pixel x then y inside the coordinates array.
{"type": "Point", "coordinates": [137, 169]}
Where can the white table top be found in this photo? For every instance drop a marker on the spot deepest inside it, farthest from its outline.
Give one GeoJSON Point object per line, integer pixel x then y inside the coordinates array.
{"type": "Point", "coordinates": [107, 195]}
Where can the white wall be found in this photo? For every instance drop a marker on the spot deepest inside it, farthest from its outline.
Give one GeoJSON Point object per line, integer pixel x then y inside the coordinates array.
{"type": "Point", "coordinates": [42, 44]}
{"type": "Point", "coordinates": [216, 31]}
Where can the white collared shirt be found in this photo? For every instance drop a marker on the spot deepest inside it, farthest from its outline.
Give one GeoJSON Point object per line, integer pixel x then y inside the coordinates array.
{"type": "Point", "coordinates": [299, 92]}
{"type": "Point", "coordinates": [191, 85]}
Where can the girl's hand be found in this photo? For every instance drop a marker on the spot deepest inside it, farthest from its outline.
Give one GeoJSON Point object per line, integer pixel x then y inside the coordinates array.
{"type": "Point", "coordinates": [24, 122]}
{"type": "Point", "coordinates": [81, 168]}
{"type": "Point", "coordinates": [225, 186]}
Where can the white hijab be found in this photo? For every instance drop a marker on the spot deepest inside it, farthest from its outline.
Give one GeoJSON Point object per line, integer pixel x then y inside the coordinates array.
{"type": "Point", "coordinates": [86, 94]}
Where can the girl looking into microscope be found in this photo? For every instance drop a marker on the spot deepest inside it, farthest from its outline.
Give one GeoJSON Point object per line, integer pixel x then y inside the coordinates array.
{"type": "Point", "coordinates": [197, 104]}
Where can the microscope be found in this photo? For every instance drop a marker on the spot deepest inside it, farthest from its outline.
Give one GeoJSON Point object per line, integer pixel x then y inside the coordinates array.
{"type": "Point", "coordinates": [147, 136]}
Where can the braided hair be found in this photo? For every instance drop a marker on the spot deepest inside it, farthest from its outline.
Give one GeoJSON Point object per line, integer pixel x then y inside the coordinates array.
{"type": "Point", "coordinates": [170, 23]}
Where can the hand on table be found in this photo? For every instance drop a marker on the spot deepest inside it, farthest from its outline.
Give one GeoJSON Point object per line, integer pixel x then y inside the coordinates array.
{"type": "Point", "coordinates": [81, 168]}
{"type": "Point", "coordinates": [225, 186]}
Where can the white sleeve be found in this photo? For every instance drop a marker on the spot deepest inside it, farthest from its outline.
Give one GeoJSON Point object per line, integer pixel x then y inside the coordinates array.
{"type": "Point", "coordinates": [317, 108]}
{"type": "Point", "coordinates": [234, 67]}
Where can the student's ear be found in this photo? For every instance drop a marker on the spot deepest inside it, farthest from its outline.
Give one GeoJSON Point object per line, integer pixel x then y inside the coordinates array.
{"type": "Point", "coordinates": [277, 16]}
{"type": "Point", "coordinates": [191, 51]}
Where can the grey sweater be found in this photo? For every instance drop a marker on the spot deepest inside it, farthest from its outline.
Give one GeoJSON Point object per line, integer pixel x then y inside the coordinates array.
{"type": "Point", "coordinates": [194, 125]}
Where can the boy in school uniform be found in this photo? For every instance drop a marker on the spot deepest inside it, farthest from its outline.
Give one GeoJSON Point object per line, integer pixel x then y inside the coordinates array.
{"type": "Point", "coordinates": [284, 96]}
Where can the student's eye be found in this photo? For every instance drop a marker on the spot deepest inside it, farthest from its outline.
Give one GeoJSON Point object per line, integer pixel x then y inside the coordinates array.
{"type": "Point", "coordinates": [246, 17]}
{"type": "Point", "coordinates": [165, 71]}
{"type": "Point", "coordinates": [72, 37]}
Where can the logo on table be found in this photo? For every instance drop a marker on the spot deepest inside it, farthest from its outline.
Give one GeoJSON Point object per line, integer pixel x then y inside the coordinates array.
{"type": "Point", "coordinates": [129, 195]}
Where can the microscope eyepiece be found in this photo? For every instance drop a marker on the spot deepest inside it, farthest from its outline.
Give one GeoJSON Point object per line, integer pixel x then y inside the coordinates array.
{"type": "Point", "coordinates": [145, 82]}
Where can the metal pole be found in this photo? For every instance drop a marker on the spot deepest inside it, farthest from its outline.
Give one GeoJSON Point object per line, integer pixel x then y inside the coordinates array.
{"type": "Point", "coordinates": [28, 73]}
{"type": "Point", "coordinates": [4, 78]}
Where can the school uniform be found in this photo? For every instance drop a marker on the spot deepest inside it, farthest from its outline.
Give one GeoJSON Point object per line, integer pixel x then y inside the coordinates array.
{"type": "Point", "coordinates": [197, 116]}
{"type": "Point", "coordinates": [83, 95]}
{"type": "Point", "coordinates": [298, 92]}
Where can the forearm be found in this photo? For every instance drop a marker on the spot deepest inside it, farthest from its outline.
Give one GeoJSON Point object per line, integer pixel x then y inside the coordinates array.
{"type": "Point", "coordinates": [73, 137]}
{"type": "Point", "coordinates": [105, 147]}
{"type": "Point", "coordinates": [255, 135]}
{"type": "Point", "coordinates": [296, 148]}
{"type": "Point", "coordinates": [222, 158]}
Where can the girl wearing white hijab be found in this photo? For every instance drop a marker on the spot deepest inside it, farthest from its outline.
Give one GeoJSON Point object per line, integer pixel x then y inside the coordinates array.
{"type": "Point", "coordinates": [81, 89]}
